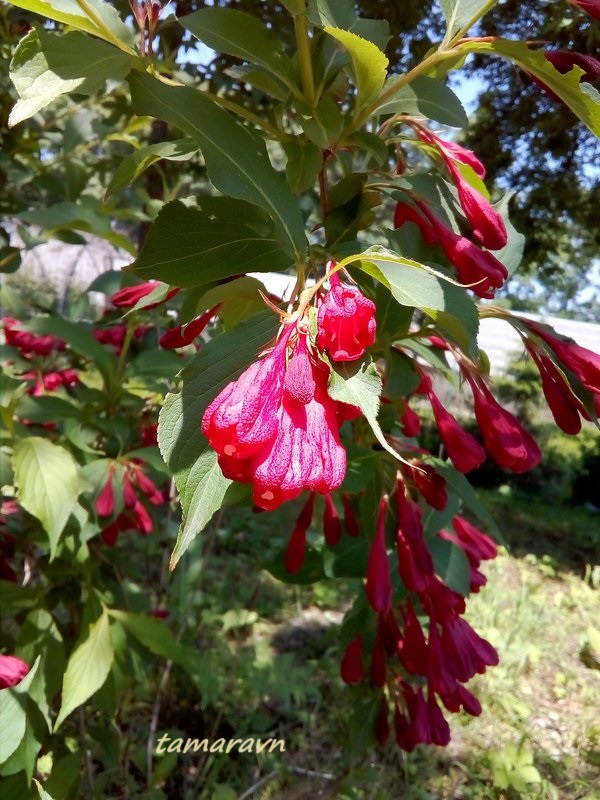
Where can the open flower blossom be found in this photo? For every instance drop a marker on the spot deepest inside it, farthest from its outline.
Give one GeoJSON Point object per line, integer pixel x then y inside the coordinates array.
{"type": "Point", "coordinates": [487, 224]}
{"type": "Point", "coordinates": [276, 426]}
{"type": "Point", "coordinates": [346, 322]}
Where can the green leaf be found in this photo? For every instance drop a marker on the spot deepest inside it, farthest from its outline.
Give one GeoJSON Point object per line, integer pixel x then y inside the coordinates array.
{"type": "Point", "coordinates": [40, 634]}
{"type": "Point", "coordinates": [241, 35]}
{"type": "Point", "coordinates": [459, 13]}
{"type": "Point", "coordinates": [236, 159]}
{"type": "Point", "coordinates": [426, 96]}
{"type": "Point", "coordinates": [101, 19]}
{"type": "Point", "coordinates": [199, 480]}
{"type": "Point", "coordinates": [370, 64]}
{"type": "Point", "coordinates": [204, 493]}
{"type": "Point", "coordinates": [451, 564]}
{"type": "Point", "coordinates": [48, 65]}
{"type": "Point", "coordinates": [86, 215]}
{"type": "Point", "coordinates": [323, 124]}
{"type": "Point", "coordinates": [47, 484]}
{"type": "Point", "coordinates": [582, 99]}
{"type": "Point", "coordinates": [187, 246]}
{"type": "Point", "coordinates": [13, 713]}
{"type": "Point", "coordinates": [140, 160]}
{"type": "Point", "coordinates": [348, 559]}
{"type": "Point", "coordinates": [43, 794]}
{"type": "Point", "coordinates": [151, 633]}
{"type": "Point", "coordinates": [87, 668]}
{"type": "Point", "coordinates": [342, 14]}
{"type": "Point", "coordinates": [358, 383]}
{"type": "Point", "coordinates": [412, 284]}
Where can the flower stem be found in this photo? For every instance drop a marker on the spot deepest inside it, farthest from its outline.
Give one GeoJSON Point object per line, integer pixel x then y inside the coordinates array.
{"type": "Point", "coordinates": [304, 56]}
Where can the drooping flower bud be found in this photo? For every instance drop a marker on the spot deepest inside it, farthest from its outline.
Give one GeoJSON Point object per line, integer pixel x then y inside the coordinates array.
{"type": "Point", "coordinates": [477, 268]}
{"type": "Point", "coordinates": [410, 424]}
{"type": "Point", "coordinates": [296, 549]}
{"type": "Point", "coordinates": [350, 519]}
{"type": "Point", "coordinates": [487, 224]}
{"type": "Point", "coordinates": [346, 322]}
{"type": "Point", "coordinates": [332, 526]}
{"type": "Point", "coordinates": [105, 502]}
{"type": "Point", "coordinates": [463, 449]}
{"type": "Point", "coordinates": [505, 439]}
{"type": "Point", "coordinates": [379, 586]}
{"type": "Point", "coordinates": [351, 668]}
{"type": "Point", "coordinates": [182, 335]}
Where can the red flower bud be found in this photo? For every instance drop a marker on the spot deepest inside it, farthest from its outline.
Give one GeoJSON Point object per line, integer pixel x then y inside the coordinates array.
{"type": "Point", "coordinates": [352, 666]}
{"type": "Point", "coordinates": [105, 502]}
{"type": "Point", "coordinates": [332, 527]}
{"type": "Point", "coordinates": [505, 439]}
{"type": "Point", "coordinates": [12, 671]}
{"type": "Point", "coordinates": [378, 662]}
{"type": "Point", "coordinates": [182, 335]}
{"type": "Point", "coordinates": [431, 485]}
{"type": "Point", "coordinates": [296, 549]}
{"type": "Point", "coordinates": [350, 518]}
{"type": "Point", "coordinates": [130, 295]}
{"type": "Point", "coordinates": [464, 450]}
{"type": "Point", "coordinates": [379, 585]}
{"type": "Point", "coordinates": [410, 424]}
{"type": "Point", "coordinates": [346, 322]}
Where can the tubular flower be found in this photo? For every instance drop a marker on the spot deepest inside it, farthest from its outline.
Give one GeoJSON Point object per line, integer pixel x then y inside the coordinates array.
{"type": "Point", "coordinates": [584, 363]}
{"type": "Point", "coordinates": [487, 224]}
{"type": "Point", "coordinates": [504, 437]}
{"type": "Point", "coordinates": [296, 549]}
{"type": "Point", "coordinates": [352, 664]}
{"type": "Point", "coordinates": [563, 404]}
{"type": "Point", "coordinates": [563, 61]}
{"type": "Point", "coordinates": [243, 417]}
{"type": "Point", "coordinates": [379, 585]}
{"type": "Point", "coordinates": [332, 526]}
{"type": "Point", "coordinates": [346, 322]}
{"type": "Point", "coordinates": [464, 450]}
{"type": "Point", "coordinates": [276, 426]}
{"type": "Point", "coordinates": [478, 268]}
{"type": "Point", "coordinates": [306, 452]}
{"type": "Point", "coordinates": [182, 335]}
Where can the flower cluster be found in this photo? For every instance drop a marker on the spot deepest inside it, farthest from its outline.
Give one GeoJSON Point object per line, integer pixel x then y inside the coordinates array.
{"type": "Point", "coordinates": [276, 426]}
{"type": "Point", "coordinates": [135, 515]}
{"type": "Point", "coordinates": [33, 349]}
{"type": "Point", "coordinates": [417, 671]}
